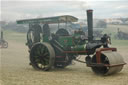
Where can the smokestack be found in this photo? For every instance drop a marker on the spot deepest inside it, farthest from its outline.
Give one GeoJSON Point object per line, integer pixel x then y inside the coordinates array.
{"type": "Point", "coordinates": [90, 24]}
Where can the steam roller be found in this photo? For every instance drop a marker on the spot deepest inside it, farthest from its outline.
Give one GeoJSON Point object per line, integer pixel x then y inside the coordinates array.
{"type": "Point", "coordinates": [57, 50]}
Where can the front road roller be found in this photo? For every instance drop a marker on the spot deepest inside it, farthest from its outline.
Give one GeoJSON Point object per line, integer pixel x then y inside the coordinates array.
{"type": "Point", "coordinates": [107, 61]}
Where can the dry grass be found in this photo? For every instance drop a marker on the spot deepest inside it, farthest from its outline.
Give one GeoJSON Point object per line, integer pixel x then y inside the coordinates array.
{"type": "Point", "coordinates": [15, 70]}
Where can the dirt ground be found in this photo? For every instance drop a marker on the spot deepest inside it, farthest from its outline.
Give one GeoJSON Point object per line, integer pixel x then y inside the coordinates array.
{"type": "Point", "coordinates": [15, 70]}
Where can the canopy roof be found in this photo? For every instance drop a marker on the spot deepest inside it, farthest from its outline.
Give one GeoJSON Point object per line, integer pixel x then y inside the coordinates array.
{"type": "Point", "coordinates": [50, 20]}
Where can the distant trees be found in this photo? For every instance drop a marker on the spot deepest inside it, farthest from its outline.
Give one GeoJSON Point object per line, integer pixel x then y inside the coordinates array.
{"type": "Point", "coordinates": [13, 26]}
{"type": "Point", "coordinates": [101, 24]}
{"type": "Point", "coordinates": [118, 21]}
{"type": "Point", "coordinates": [124, 20]}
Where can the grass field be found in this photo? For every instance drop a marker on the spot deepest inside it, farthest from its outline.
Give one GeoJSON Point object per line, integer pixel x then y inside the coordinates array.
{"type": "Point", "coordinates": [15, 69]}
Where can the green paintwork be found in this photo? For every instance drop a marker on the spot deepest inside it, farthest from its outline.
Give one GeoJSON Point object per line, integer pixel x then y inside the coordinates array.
{"type": "Point", "coordinates": [79, 48]}
{"type": "Point", "coordinates": [66, 40]}
{"type": "Point", "coordinates": [45, 38]}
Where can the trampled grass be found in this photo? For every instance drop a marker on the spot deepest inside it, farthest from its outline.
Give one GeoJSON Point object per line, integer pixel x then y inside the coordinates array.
{"type": "Point", "coordinates": [15, 68]}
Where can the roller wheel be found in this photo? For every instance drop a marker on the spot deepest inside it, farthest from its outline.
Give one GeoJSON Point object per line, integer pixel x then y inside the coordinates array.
{"type": "Point", "coordinates": [30, 38]}
{"type": "Point", "coordinates": [100, 70]}
{"type": "Point", "coordinates": [109, 58]}
{"type": "Point", "coordinates": [42, 56]}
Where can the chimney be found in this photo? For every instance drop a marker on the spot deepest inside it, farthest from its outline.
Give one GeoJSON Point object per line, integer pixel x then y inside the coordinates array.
{"type": "Point", "coordinates": [90, 24]}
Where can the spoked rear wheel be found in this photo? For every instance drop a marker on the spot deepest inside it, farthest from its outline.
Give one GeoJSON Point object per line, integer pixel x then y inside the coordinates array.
{"type": "Point", "coordinates": [42, 56]}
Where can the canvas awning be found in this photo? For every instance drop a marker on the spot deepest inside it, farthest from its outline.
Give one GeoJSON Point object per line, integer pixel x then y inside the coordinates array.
{"type": "Point", "coordinates": [49, 20]}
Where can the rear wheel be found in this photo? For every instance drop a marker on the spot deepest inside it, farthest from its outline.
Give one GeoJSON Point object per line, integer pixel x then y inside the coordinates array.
{"type": "Point", "coordinates": [33, 35]}
{"type": "Point", "coordinates": [5, 44]}
{"type": "Point", "coordinates": [42, 56]}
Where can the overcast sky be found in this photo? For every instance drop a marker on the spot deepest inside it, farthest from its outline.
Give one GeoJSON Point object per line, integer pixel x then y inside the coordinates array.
{"type": "Point", "coordinates": [21, 9]}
